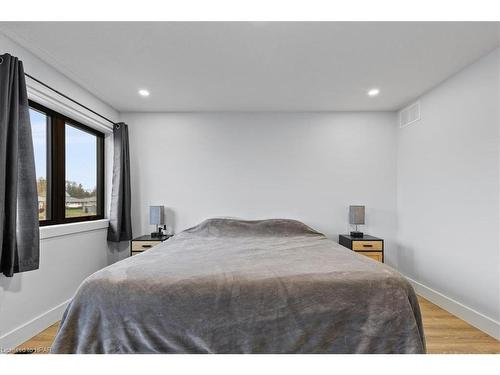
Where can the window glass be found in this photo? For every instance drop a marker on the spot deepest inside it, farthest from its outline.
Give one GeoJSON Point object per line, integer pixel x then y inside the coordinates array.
{"type": "Point", "coordinates": [39, 134]}
{"type": "Point", "coordinates": [81, 173]}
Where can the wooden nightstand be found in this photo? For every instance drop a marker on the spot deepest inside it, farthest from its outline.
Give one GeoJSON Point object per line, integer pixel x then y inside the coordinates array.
{"type": "Point", "coordinates": [143, 243]}
{"type": "Point", "coordinates": [369, 246]}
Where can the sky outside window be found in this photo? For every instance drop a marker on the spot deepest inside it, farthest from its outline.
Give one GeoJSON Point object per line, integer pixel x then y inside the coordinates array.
{"type": "Point", "coordinates": [81, 157]}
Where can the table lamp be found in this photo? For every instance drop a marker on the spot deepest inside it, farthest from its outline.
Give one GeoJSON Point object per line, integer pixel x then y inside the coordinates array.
{"type": "Point", "coordinates": [157, 217]}
{"type": "Point", "coordinates": [356, 217]}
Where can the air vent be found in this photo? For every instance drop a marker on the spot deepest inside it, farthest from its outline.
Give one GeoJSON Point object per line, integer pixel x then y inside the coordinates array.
{"type": "Point", "coordinates": [409, 115]}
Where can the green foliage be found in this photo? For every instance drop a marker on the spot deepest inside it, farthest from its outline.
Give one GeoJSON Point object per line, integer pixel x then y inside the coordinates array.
{"type": "Point", "coordinates": [41, 186]}
{"type": "Point", "coordinates": [76, 190]}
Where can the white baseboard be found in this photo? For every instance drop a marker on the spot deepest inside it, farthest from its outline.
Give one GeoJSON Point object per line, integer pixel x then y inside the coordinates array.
{"type": "Point", "coordinates": [471, 316]}
{"type": "Point", "coordinates": [24, 332]}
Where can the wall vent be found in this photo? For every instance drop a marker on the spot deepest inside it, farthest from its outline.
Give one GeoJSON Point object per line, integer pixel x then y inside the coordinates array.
{"type": "Point", "coordinates": [409, 115]}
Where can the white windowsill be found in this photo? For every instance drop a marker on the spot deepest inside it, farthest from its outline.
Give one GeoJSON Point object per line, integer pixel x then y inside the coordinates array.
{"type": "Point", "coordinates": [58, 230]}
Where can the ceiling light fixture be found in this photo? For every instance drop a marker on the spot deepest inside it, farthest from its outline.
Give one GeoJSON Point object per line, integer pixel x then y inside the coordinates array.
{"type": "Point", "coordinates": [143, 92]}
{"type": "Point", "coordinates": [373, 92]}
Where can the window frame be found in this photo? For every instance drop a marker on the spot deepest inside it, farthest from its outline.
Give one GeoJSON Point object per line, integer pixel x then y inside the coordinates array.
{"type": "Point", "coordinates": [56, 167]}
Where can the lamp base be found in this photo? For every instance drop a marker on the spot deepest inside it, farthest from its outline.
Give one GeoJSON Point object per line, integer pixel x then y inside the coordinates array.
{"type": "Point", "coordinates": [357, 234]}
{"type": "Point", "coordinates": [157, 234]}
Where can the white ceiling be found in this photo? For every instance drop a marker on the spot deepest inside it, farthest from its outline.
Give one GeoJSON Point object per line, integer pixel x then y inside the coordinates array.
{"type": "Point", "coordinates": [246, 66]}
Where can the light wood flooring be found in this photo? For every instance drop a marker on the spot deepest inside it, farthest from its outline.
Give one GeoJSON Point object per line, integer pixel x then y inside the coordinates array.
{"type": "Point", "coordinates": [445, 334]}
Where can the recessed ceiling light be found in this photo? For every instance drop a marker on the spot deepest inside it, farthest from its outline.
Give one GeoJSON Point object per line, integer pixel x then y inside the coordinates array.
{"type": "Point", "coordinates": [373, 92]}
{"type": "Point", "coordinates": [143, 92]}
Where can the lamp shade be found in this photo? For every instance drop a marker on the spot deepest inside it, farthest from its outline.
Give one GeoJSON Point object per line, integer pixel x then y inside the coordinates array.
{"type": "Point", "coordinates": [156, 215]}
{"type": "Point", "coordinates": [356, 215]}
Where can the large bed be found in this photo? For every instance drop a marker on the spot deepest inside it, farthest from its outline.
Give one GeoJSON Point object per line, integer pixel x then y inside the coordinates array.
{"type": "Point", "coordinates": [232, 286]}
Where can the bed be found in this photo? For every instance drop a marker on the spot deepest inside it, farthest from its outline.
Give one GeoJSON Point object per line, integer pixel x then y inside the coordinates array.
{"type": "Point", "coordinates": [233, 286]}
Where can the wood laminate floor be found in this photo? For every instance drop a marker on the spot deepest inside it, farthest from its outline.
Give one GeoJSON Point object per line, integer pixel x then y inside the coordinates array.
{"type": "Point", "coordinates": [445, 334]}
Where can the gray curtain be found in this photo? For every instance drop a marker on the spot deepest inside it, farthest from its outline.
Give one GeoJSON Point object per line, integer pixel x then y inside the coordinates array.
{"type": "Point", "coordinates": [120, 226]}
{"type": "Point", "coordinates": [19, 236]}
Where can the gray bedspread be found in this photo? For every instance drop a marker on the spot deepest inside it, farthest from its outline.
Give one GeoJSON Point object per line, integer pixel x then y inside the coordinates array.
{"type": "Point", "coordinates": [231, 286]}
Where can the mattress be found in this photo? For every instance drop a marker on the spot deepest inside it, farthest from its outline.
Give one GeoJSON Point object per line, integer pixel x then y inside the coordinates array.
{"type": "Point", "coordinates": [232, 286]}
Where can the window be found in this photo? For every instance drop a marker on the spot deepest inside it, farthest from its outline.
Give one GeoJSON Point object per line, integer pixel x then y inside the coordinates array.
{"type": "Point", "coordinates": [69, 162]}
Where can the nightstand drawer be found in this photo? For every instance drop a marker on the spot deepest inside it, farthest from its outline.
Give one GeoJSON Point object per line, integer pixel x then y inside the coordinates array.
{"type": "Point", "coordinates": [375, 255]}
{"type": "Point", "coordinates": [143, 245]}
{"type": "Point", "coordinates": [367, 245]}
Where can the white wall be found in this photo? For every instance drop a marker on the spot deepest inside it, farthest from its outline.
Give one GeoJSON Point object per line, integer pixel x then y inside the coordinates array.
{"type": "Point", "coordinates": [308, 166]}
{"type": "Point", "coordinates": [31, 301]}
{"type": "Point", "coordinates": [448, 193]}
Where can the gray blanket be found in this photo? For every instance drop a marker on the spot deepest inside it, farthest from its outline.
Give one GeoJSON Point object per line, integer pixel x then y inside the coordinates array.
{"type": "Point", "coordinates": [230, 286]}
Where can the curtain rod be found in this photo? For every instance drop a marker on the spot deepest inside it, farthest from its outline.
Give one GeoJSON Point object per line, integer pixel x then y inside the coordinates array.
{"type": "Point", "coordinates": [70, 99]}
